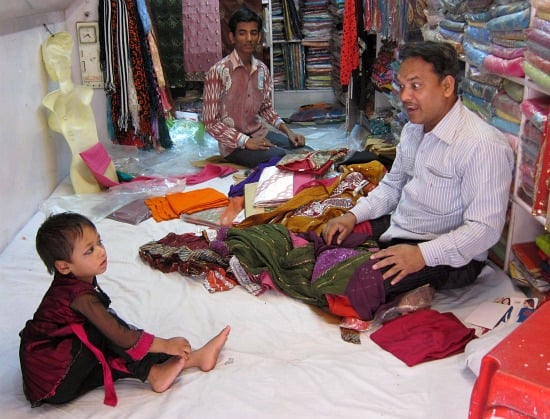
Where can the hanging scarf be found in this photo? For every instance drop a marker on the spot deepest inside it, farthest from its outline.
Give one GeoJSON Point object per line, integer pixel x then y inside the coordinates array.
{"type": "Point", "coordinates": [350, 49]}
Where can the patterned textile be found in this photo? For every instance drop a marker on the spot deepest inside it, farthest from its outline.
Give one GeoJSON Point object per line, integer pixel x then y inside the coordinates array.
{"type": "Point", "coordinates": [269, 256]}
{"type": "Point", "coordinates": [168, 23]}
{"type": "Point", "coordinates": [137, 111]}
{"type": "Point", "coordinates": [310, 208]}
{"type": "Point", "coordinates": [315, 162]}
{"type": "Point", "coordinates": [274, 187]}
{"type": "Point", "coordinates": [349, 55]}
{"type": "Point", "coordinates": [270, 248]}
{"type": "Point", "coordinates": [177, 257]}
{"type": "Point", "coordinates": [201, 35]}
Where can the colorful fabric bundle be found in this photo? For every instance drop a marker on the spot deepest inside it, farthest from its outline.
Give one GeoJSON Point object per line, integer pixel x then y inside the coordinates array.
{"type": "Point", "coordinates": [315, 163]}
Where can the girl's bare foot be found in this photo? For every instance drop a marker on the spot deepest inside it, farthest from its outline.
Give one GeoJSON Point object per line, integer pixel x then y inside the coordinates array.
{"type": "Point", "coordinates": [162, 376]}
{"type": "Point", "coordinates": [206, 357]}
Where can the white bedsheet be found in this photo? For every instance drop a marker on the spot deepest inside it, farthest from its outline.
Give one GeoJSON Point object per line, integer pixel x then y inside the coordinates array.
{"type": "Point", "coordinates": [282, 359]}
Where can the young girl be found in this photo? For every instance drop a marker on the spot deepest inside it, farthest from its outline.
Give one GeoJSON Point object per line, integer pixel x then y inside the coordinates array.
{"type": "Point", "coordinates": [75, 343]}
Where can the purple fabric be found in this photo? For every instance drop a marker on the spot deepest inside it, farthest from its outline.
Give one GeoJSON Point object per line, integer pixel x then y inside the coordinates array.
{"type": "Point", "coordinates": [352, 241]}
{"type": "Point", "coordinates": [254, 176]}
{"type": "Point", "coordinates": [365, 290]}
{"type": "Point", "coordinates": [329, 258]}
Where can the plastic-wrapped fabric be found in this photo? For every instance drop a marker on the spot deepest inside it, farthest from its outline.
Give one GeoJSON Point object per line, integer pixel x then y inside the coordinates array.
{"type": "Point", "coordinates": [543, 15]}
{"type": "Point", "coordinates": [452, 25]}
{"type": "Point", "coordinates": [483, 77]}
{"type": "Point", "coordinates": [497, 65]}
{"type": "Point", "coordinates": [455, 17]}
{"type": "Point", "coordinates": [486, 48]}
{"type": "Point", "coordinates": [474, 56]}
{"type": "Point", "coordinates": [457, 7]}
{"type": "Point", "coordinates": [431, 34]}
{"type": "Point", "coordinates": [538, 62]}
{"type": "Point", "coordinates": [538, 36]}
{"type": "Point", "coordinates": [512, 35]}
{"type": "Point", "coordinates": [477, 5]}
{"type": "Point", "coordinates": [530, 148]}
{"type": "Point", "coordinates": [510, 22]}
{"type": "Point", "coordinates": [503, 41]}
{"type": "Point", "coordinates": [539, 77]}
{"type": "Point", "coordinates": [506, 52]}
{"type": "Point", "coordinates": [538, 49]}
{"type": "Point", "coordinates": [451, 35]}
{"type": "Point", "coordinates": [543, 5]}
{"type": "Point", "coordinates": [536, 110]}
{"type": "Point", "coordinates": [507, 108]}
{"type": "Point", "coordinates": [539, 23]}
{"type": "Point", "coordinates": [510, 8]}
{"type": "Point", "coordinates": [513, 89]}
{"type": "Point", "coordinates": [479, 106]}
{"type": "Point", "coordinates": [484, 91]}
{"type": "Point", "coordinates": [478, 19]}
{"type": "Point", "coordinates": [504, 125]}
{"type": "Point", "coordinates": [532, 133]}
{"type": "Point", "coordinates": [477, 34]}
{"type": "Point", "coordinates": [527, 171]}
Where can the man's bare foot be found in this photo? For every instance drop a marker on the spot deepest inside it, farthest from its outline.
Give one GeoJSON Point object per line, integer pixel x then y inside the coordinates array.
{"type": "Point", "coordinates": [162, 376]}
{"type": "Point", "coordinates": [206, 357]}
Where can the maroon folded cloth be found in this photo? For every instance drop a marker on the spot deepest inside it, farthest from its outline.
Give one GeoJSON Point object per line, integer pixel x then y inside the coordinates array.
{"type": "Point", "coordinates": [423, 335]}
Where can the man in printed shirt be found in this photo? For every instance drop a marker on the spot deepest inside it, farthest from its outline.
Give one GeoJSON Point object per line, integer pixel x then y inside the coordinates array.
{"type": "Point", "coordinates": [237, 95]}
{"type": "Point", "coordinates": [448, 188]}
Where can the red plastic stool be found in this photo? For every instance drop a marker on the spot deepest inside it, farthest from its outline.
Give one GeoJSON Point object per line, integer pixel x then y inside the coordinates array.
{"type": "Point", "coordinates": [514, 378]}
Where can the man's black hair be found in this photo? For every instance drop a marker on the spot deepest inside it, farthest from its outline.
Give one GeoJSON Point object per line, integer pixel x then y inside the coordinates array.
{"type": "Point", "coordinates": [244, 14]}
{"type": "Point", "coordinates": [441, 55]}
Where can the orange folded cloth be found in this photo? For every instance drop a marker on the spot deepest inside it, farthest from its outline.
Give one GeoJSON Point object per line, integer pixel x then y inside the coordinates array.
{"type": "Point", "coordinates": [173, 205]}
{"type": "Point", "coordinates": [197, 200]}
{"type": "Point", "coordinates": [160, 208]}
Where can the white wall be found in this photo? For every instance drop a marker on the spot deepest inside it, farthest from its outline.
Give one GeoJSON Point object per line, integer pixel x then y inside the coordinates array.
{"type": "Point", "coordinates": [33, 159]}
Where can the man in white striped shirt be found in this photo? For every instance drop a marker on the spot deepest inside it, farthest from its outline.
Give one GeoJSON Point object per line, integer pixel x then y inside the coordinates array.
{"type": "Point", "coordinates": [443, 203]}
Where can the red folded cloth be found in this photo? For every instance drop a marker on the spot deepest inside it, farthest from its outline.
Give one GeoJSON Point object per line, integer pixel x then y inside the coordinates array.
{"type": "Point", "coordinates": [423, 335]}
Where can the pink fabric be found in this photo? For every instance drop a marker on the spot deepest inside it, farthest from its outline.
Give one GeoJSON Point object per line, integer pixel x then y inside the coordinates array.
{"type": "Point", "coordinates": [110, 394]}
{"type": "Point", "coordinates": [423, 335]}
{"type": "Point", "coordinates": [210, 171]}
{"type": "Point", "coordinates": [98, 160]}
{"type": "Point", "coordinates": [496, 65]}
{"type": "Point", "coordinates": [301, 179]}
{"type": "Point", "coordinates": [142, 346]}
{"type": "Point", "coordinates": [201, 35]}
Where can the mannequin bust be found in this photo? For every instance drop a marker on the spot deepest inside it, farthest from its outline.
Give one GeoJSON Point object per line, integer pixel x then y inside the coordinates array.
{"type": "Point", "coordinates": [71, 113]}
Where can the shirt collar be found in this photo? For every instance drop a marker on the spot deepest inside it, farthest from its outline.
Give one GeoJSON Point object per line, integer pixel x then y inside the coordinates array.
{"type": "Point", "coordinates": [237, 62]}
{"type": "Point", "coordinates": [445, 129]}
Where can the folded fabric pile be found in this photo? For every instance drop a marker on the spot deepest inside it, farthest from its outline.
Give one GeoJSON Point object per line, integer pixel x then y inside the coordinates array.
{"type": "Point", "coordinates": [537, 56]}
{"type": "Point", "coordinates": [173, 205]}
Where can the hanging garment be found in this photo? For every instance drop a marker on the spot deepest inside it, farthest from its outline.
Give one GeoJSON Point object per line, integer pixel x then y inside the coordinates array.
{"type": "Point", "coordinates": [201, 35]}
{"type": "Point", "coordinates": [349, 57]}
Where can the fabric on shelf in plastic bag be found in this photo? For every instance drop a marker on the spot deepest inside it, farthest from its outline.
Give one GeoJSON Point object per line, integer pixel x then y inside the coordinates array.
{"type": "Point", "coordinates": [497, 65]}
{"type": "Point", "coordinates": [537, 76]}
